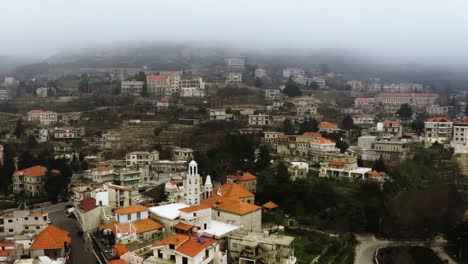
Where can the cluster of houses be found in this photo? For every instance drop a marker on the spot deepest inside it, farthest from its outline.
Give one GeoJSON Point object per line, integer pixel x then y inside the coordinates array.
{"type": "Point", "coordinates": [195, 221]}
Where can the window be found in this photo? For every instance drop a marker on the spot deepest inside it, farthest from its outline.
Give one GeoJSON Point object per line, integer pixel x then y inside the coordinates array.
{"type": "Point", "coordinates": [129, 217]}
{"type": "Point", "coordinates": [138, 215]}
{"type": "Point", "coordinates": [184, 260]}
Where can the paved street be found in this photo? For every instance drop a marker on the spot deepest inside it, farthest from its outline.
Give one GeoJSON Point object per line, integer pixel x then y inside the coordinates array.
{"type": "Point", "coordinates": [81, 253]}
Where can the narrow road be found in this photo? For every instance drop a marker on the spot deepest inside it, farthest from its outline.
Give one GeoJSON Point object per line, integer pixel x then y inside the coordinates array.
{"type": "Point", "coordinates": [369, 244]}
{"type": "Point", "coordinates": [80, 252]}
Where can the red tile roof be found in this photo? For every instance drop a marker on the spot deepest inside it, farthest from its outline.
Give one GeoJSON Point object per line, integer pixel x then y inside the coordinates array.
{"type": "Point", "coordinates": [175, 240]}
{"type": "Point", "coordinates": [157, 77]}
{"type": "Point", "coordinates": [312, 134]}
{"type": "Point", "coordinates": [327, 125]}
{"type": "Point", "coordinates": [233, 191]}
{"type": "Point", "coordinates": [336, 163]}
{"type": "Point", "coordinates": [35, 171]}
{"type": "Point", "coordinates": [183, 226]}
{"type": "Point", "coordinates": [242, 176]}
{"type": "Point", "coordinates": [234, 206]}
{"type": "Point", "coordinates": [194, 208]}
{"type": "Point", "coordinates": [193, 246]}
{"type": "Point", "coordinates": [439, 119]}
{"type": "Point", "coordinates": [88, 204]}
{"type": "Point", "coordinates": [323, 140]}
{"type": "Point", "coordinates": [270, 205]}
{"type": "Point", "coordinates": [119, 250]}
{"type": "Point", "coordinates": [51, 238]}
{"type": "Point", "coordinates": [131, 209]}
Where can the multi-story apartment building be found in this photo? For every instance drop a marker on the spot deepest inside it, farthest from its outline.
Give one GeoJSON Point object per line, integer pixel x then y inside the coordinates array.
{"type": "Point", "coordinates": [182, 154]}
{"type": "Point", "coordinates": [20, 222]}
{"type": "Point", "coordinates": [364, 103]}
{"type": "Point", "coordinates": [131, 88]}
{"type": "Point", "coordinates": [259, 120]}
{"type": "Point", "coordinates": [391, 102]}
{"type": "Point", "coordinates": [252, 247]}
{"type": "Point", "coordinates": [291, 72]}
{"type": "Point", "coordinates": [321, 148]}
{"type": "Point", "coordinates": [234, 77]}
{"type": "Point", "coordinates": [141, 158]}
{"type": "Point", "coordinates": [460, 137]}
{"type": "Point", "coordinates": [260, 73]}
{"type": "Point", "coordinates": [438, 129]}
{"type": "Point", "coordinates": [437, 110]}
{"type": "Point", "coordinates": [403, 88]}
{"type": "Point", "coordinates": [272, 94]}
{"type": "Point", "coordinates": [342, 166]}
{"type": "Point", "coordinates": [235, 64]}
{"type": "Point", "coordinates": [163, 86]}
{"type": "Point", "coordinates": [363, 120]}
{"type": "Point", "coordinates": [44, 117]}
{"type": "Point", "coordinates": [30, 182]}
{"type": "Point", "coordinates": [69, 133]}
{"type": "Point", "coordinates": [220, 114]}
{"type": "Point", "coordinates": [192, 87]}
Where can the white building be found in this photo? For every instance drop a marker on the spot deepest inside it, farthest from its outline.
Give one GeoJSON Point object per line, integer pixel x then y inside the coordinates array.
{"type": "Point", "coordinates": [20, 222]}
{"type": "Point", "coordinates": [235, 63]}
{"type": "Point", "coordinates": [438, 129]}
{"type": "Point", "coordinates": [42, 92]}
{"type": "Point", "coordinates": [141, 158]}
{"type": "Point", "coordinates": [460, 137]}
{"type": "Point", "coordinates": [192, 87]}
{"type": "Point", "coordinates": [69, 132]}
{"type": "Point", "coordinates": [291, 72]}
{"type": "Point", "coordinates": [260, 73]}
{"type": "Point", "coordinates": [298, 170]}
{"type": "Point", "coordinates": [259, 120]}
{"type": "Point", "coordinates": [45, 117]}
{"type": "Point", "coordinates": [182, 154]}
{"type": "Point", "coordinates": [132, 88]}
{"type": "Point", "coordinates": [437, 110]}
{"type": "Point", "coordinates": [363, 120]}
{"type": "Point", "coordinates": [193, 184]}
{"type": "Point", "coordinates": [220, 114]}
{"type": "Point", "coordinates": [234, 77]}
{"type": "Point", "coordinates": [272, 94]}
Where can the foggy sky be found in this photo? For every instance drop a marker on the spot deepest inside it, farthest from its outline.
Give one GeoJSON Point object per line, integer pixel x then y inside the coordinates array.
{"type": "Point", "coordinates": [412, 30]}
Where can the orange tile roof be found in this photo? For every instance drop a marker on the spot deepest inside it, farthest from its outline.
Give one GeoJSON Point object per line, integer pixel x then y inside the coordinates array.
{"type": "Point", "coordinates": [119, 250]}
{"type": "Point", "coordinates": [193, 247]}
{"type": "Point", "coordinates": [393, 123]}
{"type": "Point", "coordinates": [375, 173]}
{"type": "Point", "coordinates": [323, 140]}
{"type": "Point", "coordinates": [7, 253]}
{"type": "Point", "coordinates": [194, 208]}
{"type": "Point", "coordinates": [145, 225]}
{"type": "Point", "coordinates": [175, 181]}
{"type": "Point", "coordinates": [234, 206]}
{"type": "Point", "coordinates": [117, 261]}
{"type": "Point", "coordinates": [327, 125]}
{"type": "Point", "coordinates": [34, 171]}
{"type": "Point", "coordinates": [88, 204]}
{"type": "Point", "coordinates": [233, 191]}
{"type": "Point", "coordinates": [157, 77]}
{"type": "Point", "coordinates": [439, 119]}
{"type": "Point", "coordinates": [51, 238]}
{"type": "Point", "coordinates": [183, 226]}
{"type": "Point", "coordinates": [242, 176]}
{"type": "Point", "coordinates": [336, 163]}
{"type": "Point", "coordinates": [175, 240]}
{"type": "Point", "coordinates": [141, 226]}
{"type": "Point", "coordinates": [4, 244]}
{"type": "Point", "coordinates": [131, 209]}
{"type": "Point", "coordinates": [270, 205]}
{"type": "Point", "coordinates": [312, 134]}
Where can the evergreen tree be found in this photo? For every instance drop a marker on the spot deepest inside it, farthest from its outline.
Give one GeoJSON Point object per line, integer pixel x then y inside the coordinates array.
{"type": "Point", "coordinates": [19, 129]}
{"type": "Point", "coordinates": [288, 127]}
{"type": "Point", "coordinates": [347, 122]}
{"type": "Point", "coordinates": [379, 165]}
{"type": "Point", "coordinates": [264, 158]}
{"type": "Point", "coordinates": [291, 89]}
{"type": "Point", "coordinates": [405, 111]}
{"type": "Point", "coordinates": [7, 168]}
{"type": "Point", "coordinates": [258, 82]}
